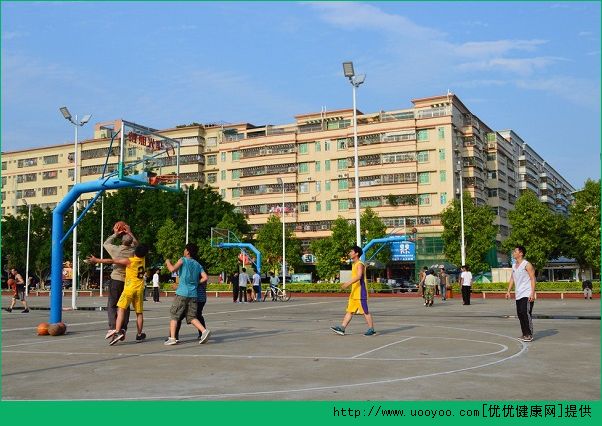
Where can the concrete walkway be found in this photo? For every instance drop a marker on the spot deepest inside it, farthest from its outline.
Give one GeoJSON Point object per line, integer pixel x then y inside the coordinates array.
{"type": "Point", "coordinates": [275, 350]}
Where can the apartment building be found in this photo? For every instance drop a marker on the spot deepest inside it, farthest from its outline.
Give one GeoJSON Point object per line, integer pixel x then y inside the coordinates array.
{"type": "Point", "coordinates": [409, 165]}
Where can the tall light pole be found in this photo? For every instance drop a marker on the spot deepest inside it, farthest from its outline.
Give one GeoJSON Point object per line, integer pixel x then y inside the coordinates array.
{"type": "Point", "coordinates": [462, 248]}
{"type": "Point", "coordinates": [74, 266]}
{"type": "Point", "coordinates": [281, 182]}
{"type": "Point", "coordinates": [102, 237]}
{"type": "Point", "coordinates": [355, 81]}
{"type": "Point", "coordinates": [27, 255]}
{"type": "Point", "coordinates": [187, 209]}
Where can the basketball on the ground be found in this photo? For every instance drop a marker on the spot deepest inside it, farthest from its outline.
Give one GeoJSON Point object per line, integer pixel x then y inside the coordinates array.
{"type": "Point", "coordinates": [120, 227]}
{"type": "Point", "coordinates": [43, 329]}
{"type": "Point", "coordinates": [62, 328]}
{"type": "Point", "coordinates": [54, 329]}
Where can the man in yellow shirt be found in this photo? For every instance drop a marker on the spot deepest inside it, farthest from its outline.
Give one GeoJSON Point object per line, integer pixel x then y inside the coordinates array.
{"type": "Point", "coordinates": [358, 299]}
{"type": "Point", "coordinates": [133, 292]}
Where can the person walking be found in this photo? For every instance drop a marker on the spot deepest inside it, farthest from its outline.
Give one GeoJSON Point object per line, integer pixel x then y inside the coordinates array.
{"type": "Point", "coordinates": [421, 278]}
{"type": "Point", "coordinates": [465, 284]}
{"type": "Point", "coordinates": [243, 280]}
{"type": "Point", "coordinates": [257, 287]}
{"type": "Point", "coordinates": [117, 282]}
{"type": "Point", "coordinates": [443, 283]}
{"type": "Point", "coordinates": [156, 286]}
{"type": "Point", "coordinates": [358, 298]}
{"type": "Point", "coordinates": [185, 301]}
{"type": "Point", "coordinates": [201, 299]}
{"type": "Point", "coordinates": [431, 282]}
{"type": "Point", "coordinates": [587, 289]}
{"type": "Point", "coordinates": [523, 280]}
{"type": "Point", "coordinates": [274, 281]}
{"type": "Point", "coordinates": [19, 291]}
{"type": "Point", "coordinates": [234, 282]}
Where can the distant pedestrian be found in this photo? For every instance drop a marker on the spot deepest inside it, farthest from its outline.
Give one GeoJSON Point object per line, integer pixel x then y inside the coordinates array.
{"type": "Point", "coordinates": [466, 284]}
{"type": "Point", "coordinates": [443, 283]}
{"type": "Point", "coordinates": [431, 282]}
{"type": "Point", "coordinates": [274, 281]}
{"type": "Point", "coordinates": [234, 282]}
{"type": "Point", "coordinates": [421, 278]}
{"type": "Point", "coordinates": [358, 298]}
{"type": "Point", "coordinates": [156, 286]}
{"type": "Point", "coordinates": [257, 287]}
{"type": "Point", "coordinates": [523, 280]}
{"type": "Point", "coordinates": [587, 289]}
{"type": "Point", "coordinates": [19, 291]}
{"type": "Point", "coordinates": [243, 280]}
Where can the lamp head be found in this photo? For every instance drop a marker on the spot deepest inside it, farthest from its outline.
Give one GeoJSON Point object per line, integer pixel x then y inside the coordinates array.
{"type": "Point", "coordinates": [348, 69]}
{"type": "Point", "coordinates": [65, 113]}
{"type": "Point", "coordinates": [359, 79]}
{"type": "Point", "coordinates": [85, 119]}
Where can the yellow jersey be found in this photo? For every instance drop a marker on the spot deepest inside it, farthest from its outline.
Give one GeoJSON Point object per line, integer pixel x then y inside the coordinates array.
{"type": "Point", "coordinates": [134, 273]}
{"type": "Point", "coordinates": [359, 289]}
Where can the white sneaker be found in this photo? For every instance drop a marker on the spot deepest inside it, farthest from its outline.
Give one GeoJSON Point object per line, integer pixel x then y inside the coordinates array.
{"type": "Point", "coordinates": [171, 341]}
{"type": "Point", "coordinates": [110, 334]}
{"type": "Point", "coordinates": [204, 336]}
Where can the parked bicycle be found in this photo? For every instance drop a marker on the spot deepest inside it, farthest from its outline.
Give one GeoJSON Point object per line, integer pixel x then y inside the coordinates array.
{"type": "Point", "coordinates": [277, 293]}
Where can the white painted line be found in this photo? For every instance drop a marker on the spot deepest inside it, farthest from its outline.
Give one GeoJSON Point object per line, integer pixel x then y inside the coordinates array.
{"type": "Point", "coordinates": [382, 347]}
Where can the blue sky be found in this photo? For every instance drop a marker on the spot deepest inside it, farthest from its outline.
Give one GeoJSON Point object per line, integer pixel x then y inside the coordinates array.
{"type": "Point", "coordinates": [533, 67]}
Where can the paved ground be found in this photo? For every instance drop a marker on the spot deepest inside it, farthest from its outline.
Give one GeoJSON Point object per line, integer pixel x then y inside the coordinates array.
{"type": "Point", "coordinates": [278, 350]}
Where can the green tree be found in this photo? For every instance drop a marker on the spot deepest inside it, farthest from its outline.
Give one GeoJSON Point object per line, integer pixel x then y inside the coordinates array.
{"type": "Point", "coordinates": [269, 243]}
{"type": "Point", "coordinates": [479, 233]}
{"type": "Point", "coordinates": [583, 225]}
{"type": "Point", "coordinates": [534, 226]}
{"type": "Point", "coordinates": [170, 241]}
{"type": "Point", "coordinates": [217, 260]}
{"type": "Point", "coordinates": [328, 259]}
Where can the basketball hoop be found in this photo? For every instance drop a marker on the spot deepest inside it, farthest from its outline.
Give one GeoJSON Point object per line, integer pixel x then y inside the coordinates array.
{"type": "Point", "coordinates": [162, 179]}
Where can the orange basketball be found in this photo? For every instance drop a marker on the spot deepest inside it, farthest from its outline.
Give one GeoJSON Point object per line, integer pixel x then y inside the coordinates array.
{"type": "Point", "coordinates": [54, 329]}
{"type": "Point", "coordinates": [43, 329]}
{"type": "Point", "coordinates": [62, 328]}
{"type": "Point", "coordinates": [11, 283]}
{"type": "Point", "coordinates": [120, 227]}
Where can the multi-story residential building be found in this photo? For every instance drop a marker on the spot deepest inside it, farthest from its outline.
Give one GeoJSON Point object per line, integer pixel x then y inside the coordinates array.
{"type": "Point", "coordinates": [409, 162]}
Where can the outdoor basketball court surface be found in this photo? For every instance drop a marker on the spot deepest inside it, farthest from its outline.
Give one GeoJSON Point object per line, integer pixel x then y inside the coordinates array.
{"type": "Point", "coordinates": [286, 351]}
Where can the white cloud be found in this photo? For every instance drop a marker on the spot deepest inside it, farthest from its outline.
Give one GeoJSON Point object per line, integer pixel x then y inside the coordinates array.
{"type": "Point", "coordinates": [11, 35]}
{"type": "Point", "coordinates": [519, 66]}
{"type": "Point", "coordinates": [496, 47]}
{"type": "Point", "coordinates": [578, 91]}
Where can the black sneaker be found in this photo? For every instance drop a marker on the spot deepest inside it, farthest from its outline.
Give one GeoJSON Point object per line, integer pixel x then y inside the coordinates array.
{"type": "Point", "coordinates": [338, 330]}
{"type": "Point", "coordinates": [140, 337]}
{"type": "Point", "coordinates": [9, 310]}
{"type": "Point", "coordinates": [25, 311]}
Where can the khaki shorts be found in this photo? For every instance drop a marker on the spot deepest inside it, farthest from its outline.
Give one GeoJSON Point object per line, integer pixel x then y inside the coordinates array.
{"type": "Point", "coordinates": [183, 307]}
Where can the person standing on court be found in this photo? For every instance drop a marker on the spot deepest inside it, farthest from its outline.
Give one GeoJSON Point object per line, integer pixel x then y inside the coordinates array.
{"type": "Point", "coordinates": [19, 291]}
{"type": "Point", "coordinates": [156, 286]}
{"type": "Point", "coordinates": [443, 282]}
{"type": "Point", "coordinates": [243, 280]}
{"type": "Point", "coordinates": [523, 280]}
{"type": "Point", "coordinates": [466, 284]}
{"type": "Point", "coordinates": [358, 299]}
{"type": "Point", "coordinates": [431, 282]}
{"type": "Point", "coordinates": [234, 282]}
{"type": "Point", "coordinates": [257, 286]}
{"type": "Point", "coordinates": [123, 251]}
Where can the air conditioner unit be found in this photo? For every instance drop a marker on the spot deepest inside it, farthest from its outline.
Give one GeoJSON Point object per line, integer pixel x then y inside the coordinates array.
{"type": "Point", "coordinates": [268, 151]}
{"type": "Point", "coordinates": [324, 227]}
{"type": "Point", "coordinates": [335, 196]}
{"type": "Point", "coordinates": [292, 169]}
{"type": "Point", "coordinates": [262, 152]}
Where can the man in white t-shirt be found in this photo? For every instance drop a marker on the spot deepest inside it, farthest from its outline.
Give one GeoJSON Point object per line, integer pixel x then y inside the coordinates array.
{"type": "Point", "coordinates": [156, 286]}
{"type": "Point", "coordinates": [465, 284]}
{"type": "Point", "coordinates": [243, 280]}
{"type": "Point", "coordinates": [523, 280]}
{"type": "Point", "coordinates": [257, 286]}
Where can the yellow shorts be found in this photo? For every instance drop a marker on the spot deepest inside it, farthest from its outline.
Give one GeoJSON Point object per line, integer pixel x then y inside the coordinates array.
{"type": "Point", "coordinates": [357, 306]}
{"type": "Point", "coordinates": [132, 296]}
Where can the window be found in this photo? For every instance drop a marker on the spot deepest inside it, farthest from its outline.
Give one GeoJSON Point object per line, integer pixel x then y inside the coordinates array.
{"type": "Point", "coordinates": [327, 185]}
{"type": "Point", "coordinates": [304, 207]}
{"type": "Point", "coordinates": [235, 155]}
{"type": "Point", "coordinates": [318, 166]}
{"type": "Point", "coordinates": [223, 173]}
{"type": "Point", "coordinates": [211, 141]}
{"type": "Point", "coordinates": [328, 205]}
{"type": "Point", "coordinates": [223, 157]}
{"type": "Point", "coordinates": [318, 147]}
{"type": "Point", "coordinates": [4, 165]}
{"type": "Point", "coordinates": [424, 177]}
{"type": "Point", "coordinates": [49, 190]}
{"type": "Point", "coordinates": [343, 184]}
{"type": "Point", "coordinates": [235, 192]}
{"type": "Point", "coordinates": [318, 206]}
{"type": "Point", "coordinates": [211, 160]}
{"type": "Point", "coordinates": [424, 199]}
{"type": "Point", "coordinates": [52, 174]}
{"type": "Point", "coordinates": [343, 205]}
{"type": "Point", "coordinates": [492, 174]}
{"type": "Point", "coordinates": [28, 162]}
{"type": "Point", "coordinates": [342, 164]}
{"type": "Point", "coordinates": [441, 132]}
{"type": "Point", "coordinates": [211, 177]}
{"type": "Point", "coordinates": [326, 145]}
{"type": "Point", "coordinates": [222, 192]}
{"type": "Point", "coordinates": [235, 174]}
{"type": "Point", "coordinates": [342, 144]}
{"type": "Point", "coordinates": [327, 165]}
{"type": "Point", "coordinates": [422, 135]}
{"type": "Point", "coordinates": [422, 156]}
{"type": "Point", "coordinates": [304, 188]}
{"type": "Point", "coordinates": [318, 186]}
{"type": "Point", "coordinates": [491, 157]}
{"type": "Point", "coordinates": [443, 198]}
{"type": "Point", "coordinates": [3, 181]}
{"type": "Point", "coordinates": [303, 148]}
{"type": "Point", "coordinates": [303, 168]}
{"type": "Point", "coordinates": [70, 173]}
{"type": "Point", "coordinates": [442, 175]}
{"type": "Point", "coordinates": [51, 159]}
{"type": "Point", "coordinates": [442, 154]}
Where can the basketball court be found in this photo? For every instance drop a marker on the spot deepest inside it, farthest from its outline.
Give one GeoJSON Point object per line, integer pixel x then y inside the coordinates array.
{"type": "Point", "coordinates": [286, 351]}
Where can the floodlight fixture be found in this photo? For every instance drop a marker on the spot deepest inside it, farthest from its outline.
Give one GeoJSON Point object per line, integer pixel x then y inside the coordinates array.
{"type": "Point", "coordinates": [348, 69]}
{"type": "Point", "coordinates": [85, 119]}
{"type": "Point", "coordinates": [66, 113]}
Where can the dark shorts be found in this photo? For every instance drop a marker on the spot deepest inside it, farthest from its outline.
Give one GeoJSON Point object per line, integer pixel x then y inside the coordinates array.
{"type": "Point", "coordinates": [183, 307]}
{"type": "Point", "coordinates": [20, 292]}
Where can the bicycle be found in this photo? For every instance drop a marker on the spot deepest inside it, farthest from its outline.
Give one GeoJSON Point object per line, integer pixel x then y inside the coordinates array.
{"type": "Point", "coordinates": [280, 294]}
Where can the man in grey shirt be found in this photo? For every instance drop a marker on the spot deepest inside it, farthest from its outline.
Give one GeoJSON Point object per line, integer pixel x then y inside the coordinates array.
{"type": "Point", "coordinates": [123, 251]}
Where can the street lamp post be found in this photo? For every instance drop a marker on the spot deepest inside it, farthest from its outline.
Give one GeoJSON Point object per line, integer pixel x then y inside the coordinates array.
{"type": "Point", "coordinates": [281, 182]}
{"type": "Point", "coordinates": [102, 224]}
{"type": "Point", "coordinates": [462, 248]}
{"type": "Point", "coordinates": [356, 81]}
{"type": "Point", "coordinates": [74, 266]}
{"type": "Point", "coordinates": [187, 210]}
{"type": "Point", "coordinates": [27, 255]}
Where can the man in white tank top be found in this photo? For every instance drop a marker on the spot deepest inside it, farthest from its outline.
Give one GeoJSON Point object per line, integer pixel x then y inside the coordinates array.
{"type": "Point", "coordinates": [523, 279]}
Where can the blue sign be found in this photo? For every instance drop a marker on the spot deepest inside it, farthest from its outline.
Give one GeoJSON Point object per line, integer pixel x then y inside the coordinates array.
{"type": "Point", "coordinates": [404, 251]}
